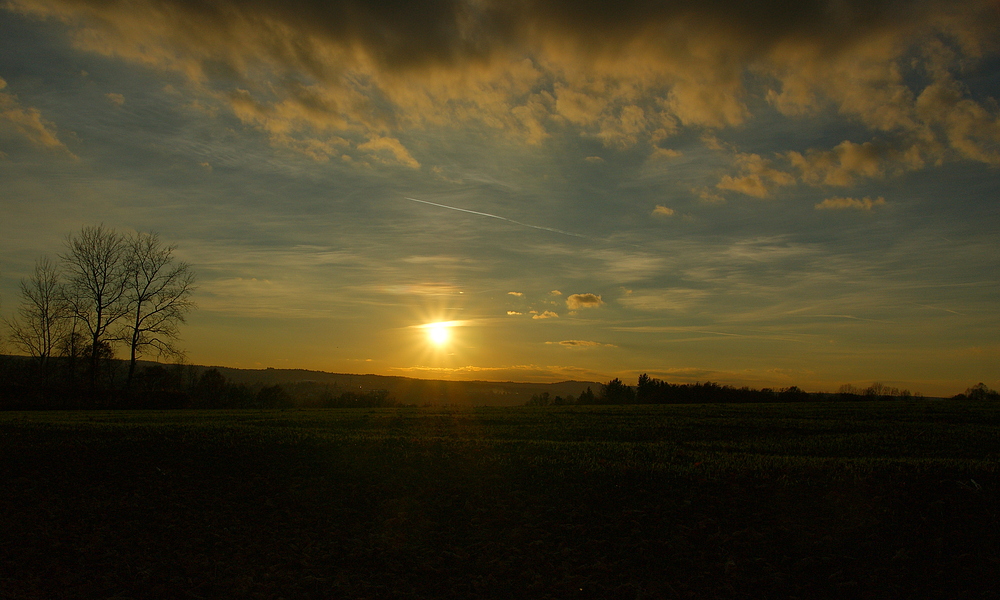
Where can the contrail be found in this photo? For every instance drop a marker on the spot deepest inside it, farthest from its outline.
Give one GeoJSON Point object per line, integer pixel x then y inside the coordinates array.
{"type": "Point", "coordinates": [482, 214]}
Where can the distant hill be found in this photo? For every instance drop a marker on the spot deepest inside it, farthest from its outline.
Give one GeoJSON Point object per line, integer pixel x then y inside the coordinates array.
{"type": "Point", "coordinates": [404, 389]}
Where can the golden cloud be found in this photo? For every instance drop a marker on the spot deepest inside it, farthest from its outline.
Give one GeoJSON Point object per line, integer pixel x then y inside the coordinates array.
{"type": "Point", "coordinates": [544, 315]}
{"type": "Point", "coordinates": [320, 76]}
{"type": "Point", "coordinates": [385, 147]}
{"type": "Point", "coordinates": [840, 166]}
{"type": "Point", "coordinates": [663, 211]}
{"type": "Point", "coordinates": [759, 177]}
{"type": "Point", "coordinates": [577, 301]}
{"type": "Point", "coordinates": [28, 122]}
{"type": "Point", "coordinates": [581, 344]}
{"type": "Point", "coordinates": [850, 203]}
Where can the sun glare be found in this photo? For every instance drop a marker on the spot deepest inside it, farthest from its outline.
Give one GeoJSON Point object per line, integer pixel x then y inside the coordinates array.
{"type": "Point", "coordinates": [438, 334]}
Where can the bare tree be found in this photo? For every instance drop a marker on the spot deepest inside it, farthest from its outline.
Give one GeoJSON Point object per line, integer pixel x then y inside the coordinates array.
{"type": "Point", "coordinates": [42, 319]}
{"type": "Point", "coordinates": [158, 293]}
{"type": "Point", "coordinates": [96, 263]}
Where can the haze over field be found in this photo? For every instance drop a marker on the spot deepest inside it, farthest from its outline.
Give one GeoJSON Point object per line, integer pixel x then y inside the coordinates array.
{"type": "Point", "coordinates": [764, 194]}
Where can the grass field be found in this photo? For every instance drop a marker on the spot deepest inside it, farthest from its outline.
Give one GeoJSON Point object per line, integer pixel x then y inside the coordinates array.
{"type": "Point", "coordinates": [834, 500]}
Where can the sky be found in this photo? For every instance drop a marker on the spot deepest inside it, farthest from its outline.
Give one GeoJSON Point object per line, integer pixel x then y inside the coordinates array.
{"type": "Point", "coordinates": [767, 193]}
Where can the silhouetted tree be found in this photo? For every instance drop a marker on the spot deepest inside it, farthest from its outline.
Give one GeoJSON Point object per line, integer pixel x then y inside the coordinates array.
{"type": "Point", "coordinates": [96, 262]}
{"type": "Point", "coordinates": [587, 397]}
{"type": "Point", "coordinates": [645, 389]}
{"type": "Point", "coordinates": [71, 349]}
{"type": "Point", "coordinates": [539, 400]}
{"type": "Point", "coordinates": [42, 318]}
{"type": "Point", "coordinates": [158, 293]}
{"type": "Point", "coordinates": [792, 394]}
{"type": "Point", "coordinates": [616, 392]}
{"type": "Point", "coordinates": [210, 390]}
{"type": "Point", "coordinates": [978, 392]}
{"type": "Point", "coordinates": [272, 396]}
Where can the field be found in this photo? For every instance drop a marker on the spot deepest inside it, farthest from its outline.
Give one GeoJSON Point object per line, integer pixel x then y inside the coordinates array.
{"type": "Point", "coordinates": [833, 500]}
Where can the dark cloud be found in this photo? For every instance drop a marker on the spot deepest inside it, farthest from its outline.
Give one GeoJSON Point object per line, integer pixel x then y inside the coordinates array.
{"type": "Point", "coordinates": [344, 78]}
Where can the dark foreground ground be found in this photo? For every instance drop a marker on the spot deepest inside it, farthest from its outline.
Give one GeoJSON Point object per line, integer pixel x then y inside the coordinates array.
{"type": "Point", "coordinates": [889, 500]}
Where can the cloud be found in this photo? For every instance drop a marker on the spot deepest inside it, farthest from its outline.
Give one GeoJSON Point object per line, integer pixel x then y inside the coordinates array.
{"type": "Point", "coordinates": [556, 293]}
{"type": "Point", "coordinates": [577, 301]}
{"type": "Point", "coordinates": [28, 122]}
{"type": "Point", "coordinates": [581, 344]}
{"type": "Point", "coordinates": [660, 300]}
{"type": "Point", "coordinates": [314, 74]}
{"type": "Point", "coordinates": [841, 165]}
{"type": "Point", "coordinates": [380, 146]}
{"type": "Point", "coordinates": [709, 196]}
{"type": "Point", "coordinates": [116, 99]}
{"type": "Point", "coordinates": [513, 313]}
{"type": "Point", "coordinates": [850, 203]}
{"type": "Point", "coordinates": [518, 294]}
{"type": "Point", "coordinates": [422, 289]}
{"type": "Point", "coordinates": [759, 178]}
{"type": "Point", "coordinates": [545, 315]}
{"type": "Point", "coordinates": [594, 159]}
{"type": "Point", "coordinates": [662, 153]}
{"type": "Point", "coordinates": [663, 211]}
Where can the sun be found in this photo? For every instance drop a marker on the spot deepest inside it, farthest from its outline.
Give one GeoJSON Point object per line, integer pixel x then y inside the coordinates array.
{"type": "Point", "coordinates": [438, 334]}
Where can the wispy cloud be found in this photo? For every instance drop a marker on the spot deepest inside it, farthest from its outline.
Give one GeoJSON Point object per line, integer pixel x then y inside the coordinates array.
{"type": "Point", "coordinates": [29, 122]}
{"type": "Point", "coordinates": [385, 147]}
{"type": "Point", "coordinates": [581, 344]}
{"type": "Point", "coordinates": [865, 203]}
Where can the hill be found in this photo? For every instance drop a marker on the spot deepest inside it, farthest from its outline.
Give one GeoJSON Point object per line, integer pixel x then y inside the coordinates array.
{"type": "Point", "coordinates": [407, 390]}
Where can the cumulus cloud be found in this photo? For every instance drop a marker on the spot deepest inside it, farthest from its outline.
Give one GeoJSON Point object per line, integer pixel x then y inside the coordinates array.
{"type": "Point", "coordinates": [841, 165]}
{"type": "Point", "coordinates": [544, 315]}
{"type": "Point", "coordinates": [311, 73]}
{"type": "Point", "coordinates": [663, 211]}
{"type": "Point", "coordinates": [759, 177]}
{"type": "Point", "coordinates": [577, 301]}
{"type": "Point", "coordinates": [518, 294]}
{"type": "Point", "coordinates": [513, 313]}
{"type": "Point", "coordinates": [556, 293]}
{"type": "Point", "coordinates": [581, 344]}
{"type": "Point", "coordinates": [850, 203]}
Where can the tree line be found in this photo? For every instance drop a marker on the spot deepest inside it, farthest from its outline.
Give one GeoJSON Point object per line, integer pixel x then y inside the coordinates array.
{"type": "Point", "coordinates": [107, 291]}
{"type": "Point", "coordinates": [649, 390]}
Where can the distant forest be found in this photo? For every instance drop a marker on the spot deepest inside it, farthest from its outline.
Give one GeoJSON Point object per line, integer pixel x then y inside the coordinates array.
{"type": "Point", "coordinates": [654, 391]}
{"type": "Point", "coordinates": [156, 386]}
{"type": "Point", "coordinates": [159, 386]}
